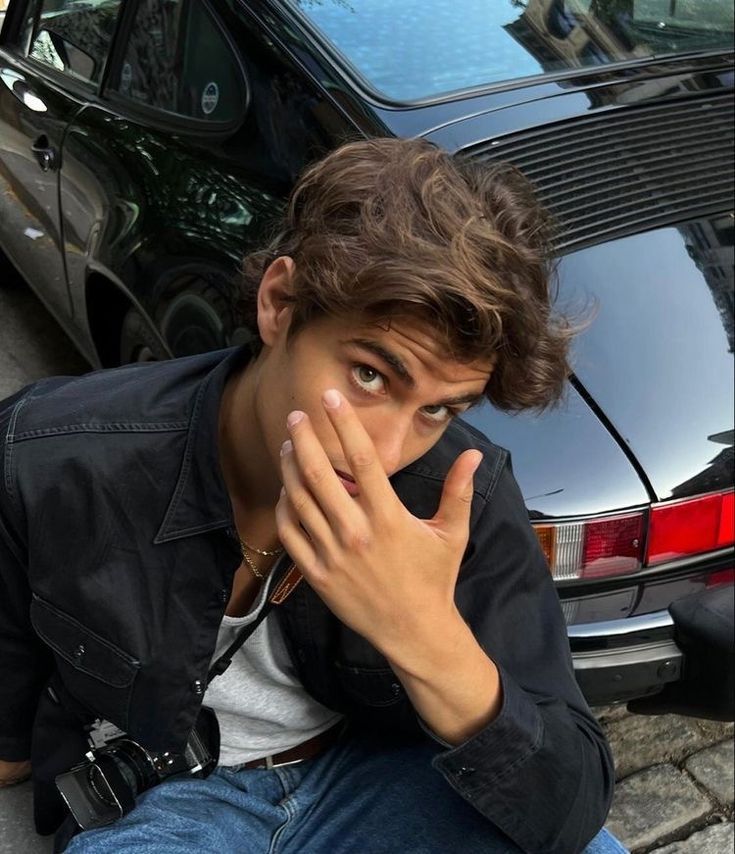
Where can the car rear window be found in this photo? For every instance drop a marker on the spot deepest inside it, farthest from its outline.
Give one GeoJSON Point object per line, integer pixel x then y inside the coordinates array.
{"type": "Point", "coordinates": [418, 49]}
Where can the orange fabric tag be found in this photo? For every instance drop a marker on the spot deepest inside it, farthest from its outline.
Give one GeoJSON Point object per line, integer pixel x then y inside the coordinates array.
{"type": "Point", "coordinates": [286, 586]}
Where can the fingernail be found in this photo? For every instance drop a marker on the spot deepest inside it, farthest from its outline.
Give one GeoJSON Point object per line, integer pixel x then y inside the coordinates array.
{"type": "Point", "coordinates": [286, 447]}
{"type": "Point", "coordinates": [294, 418]}
{"type": "Point", "coordinates": [332, 398]}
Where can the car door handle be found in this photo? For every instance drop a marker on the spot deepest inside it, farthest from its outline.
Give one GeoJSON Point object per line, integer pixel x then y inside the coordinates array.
{"type": "Point", "coordinates": [46, 154]}
{"type": "Point", "coordinates": [21, 90]}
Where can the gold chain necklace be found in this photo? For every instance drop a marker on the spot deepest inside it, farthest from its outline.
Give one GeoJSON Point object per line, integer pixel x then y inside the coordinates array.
{"type": "Point", "coordinates": [264, 552]}
{"type": "Point", "coordinates": [245, 547]}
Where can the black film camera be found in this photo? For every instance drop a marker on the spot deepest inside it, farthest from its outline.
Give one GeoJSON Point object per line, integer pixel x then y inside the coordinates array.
{"type": "Point", "coordinates": [104, 788]}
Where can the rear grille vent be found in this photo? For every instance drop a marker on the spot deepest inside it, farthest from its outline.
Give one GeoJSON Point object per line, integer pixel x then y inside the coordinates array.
{"type": "Point", "coordinates": [629, 169]}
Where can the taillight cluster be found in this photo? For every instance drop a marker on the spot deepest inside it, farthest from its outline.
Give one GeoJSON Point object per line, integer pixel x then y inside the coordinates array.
{"type": "Point", "coordinates": [623, 544]}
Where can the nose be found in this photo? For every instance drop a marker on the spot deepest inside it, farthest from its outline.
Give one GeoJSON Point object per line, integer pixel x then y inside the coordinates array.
{"type": "Point", "coordinates": [390, 437]}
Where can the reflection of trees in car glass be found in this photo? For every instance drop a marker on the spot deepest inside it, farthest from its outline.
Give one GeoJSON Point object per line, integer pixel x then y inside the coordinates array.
{"type": "Point", "coordinates": [307, 4]}
{"type": "Point", "coordinates": [421, 48]}
{"type": "Point", "coordinates": [73, 36]}
{"type": "Point", "coordinates": [44, 51]}
{"type": "Point", "coordinates": [177, 60]}
{"type": "Point", "coordinates": [149, 73]}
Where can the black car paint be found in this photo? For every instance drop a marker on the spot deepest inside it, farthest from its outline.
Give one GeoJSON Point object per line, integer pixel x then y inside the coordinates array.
{"type": "Point", "coordinates": [656, 359]}
{"type": "Point", "coordinates": [156, 214]}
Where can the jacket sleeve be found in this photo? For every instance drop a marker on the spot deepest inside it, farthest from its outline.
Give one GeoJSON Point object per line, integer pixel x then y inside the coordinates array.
{"type": "Point", "coordinates": [24, 662]}
{"type": "Point", "coordinates": [542, 770]}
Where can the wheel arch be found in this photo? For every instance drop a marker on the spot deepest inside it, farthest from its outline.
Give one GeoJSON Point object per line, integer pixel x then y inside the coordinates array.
{"type": "Point", "coordinates": [107, 303]}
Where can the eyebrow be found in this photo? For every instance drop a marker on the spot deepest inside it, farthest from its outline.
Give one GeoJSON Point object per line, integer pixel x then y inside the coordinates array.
{"type": "Point", "coordinates": [387, 356]}
{"type": "Point", "coordinates": [401, 371]}
{"type": "Point", "coordinates": [461, 399]}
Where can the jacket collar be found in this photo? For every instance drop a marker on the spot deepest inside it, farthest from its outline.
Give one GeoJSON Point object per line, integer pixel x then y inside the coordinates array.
{"type": "Point", "coordinates": [200, 501]}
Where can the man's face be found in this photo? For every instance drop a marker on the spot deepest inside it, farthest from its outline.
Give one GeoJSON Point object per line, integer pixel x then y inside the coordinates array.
{"type": "Point", "coordinates": [397, 377]}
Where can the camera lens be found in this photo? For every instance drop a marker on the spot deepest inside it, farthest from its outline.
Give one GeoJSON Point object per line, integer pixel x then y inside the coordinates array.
{"type": "Point", "coordinates": [98, 785]}
{"type": "Point", "coordinates": [134, 766]}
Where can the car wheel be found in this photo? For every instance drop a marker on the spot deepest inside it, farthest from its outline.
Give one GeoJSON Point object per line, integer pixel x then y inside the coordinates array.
{"type": "Point", "coordinates": [197, 321]}
{"type": "Point", "coordinates": [138, 342]}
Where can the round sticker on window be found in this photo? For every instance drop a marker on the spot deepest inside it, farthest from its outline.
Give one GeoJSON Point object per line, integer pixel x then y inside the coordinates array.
{"type": "Point", "coordinates": [210, 98]}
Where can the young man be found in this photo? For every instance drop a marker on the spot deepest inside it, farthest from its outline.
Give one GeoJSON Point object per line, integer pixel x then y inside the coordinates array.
{"type": "Point", "coordinates": [411, 689]}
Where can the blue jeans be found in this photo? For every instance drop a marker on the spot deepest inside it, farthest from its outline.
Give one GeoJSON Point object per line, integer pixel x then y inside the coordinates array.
{"type": "Point", "coordinates": [352, 798]}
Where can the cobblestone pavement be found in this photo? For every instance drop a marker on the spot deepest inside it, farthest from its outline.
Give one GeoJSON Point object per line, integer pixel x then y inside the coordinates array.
{"type": "Point", "coordinates": [675, 775]}
{"type": "Point", "coordinates": [675, 781]}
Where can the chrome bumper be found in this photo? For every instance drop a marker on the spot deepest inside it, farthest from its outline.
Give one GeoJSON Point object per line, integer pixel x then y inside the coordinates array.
{"type": "Point", "coordinates": [635, 669]}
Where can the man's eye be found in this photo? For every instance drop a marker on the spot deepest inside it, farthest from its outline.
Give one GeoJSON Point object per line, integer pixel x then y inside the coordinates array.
{"type": "Point", "coordinates": [368, 378]}
{"type": "Point", "coordinates": [438, 413]}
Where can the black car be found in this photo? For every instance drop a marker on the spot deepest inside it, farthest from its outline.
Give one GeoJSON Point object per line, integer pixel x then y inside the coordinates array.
{"type": "Point", "coordinates": [147, 145]}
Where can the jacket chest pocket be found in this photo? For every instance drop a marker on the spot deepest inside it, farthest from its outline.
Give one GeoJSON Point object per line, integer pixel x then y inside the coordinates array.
{"type": "Point", "coordinates": [95, 672]}
{"type": "Point", "coordinates": [370, 686]}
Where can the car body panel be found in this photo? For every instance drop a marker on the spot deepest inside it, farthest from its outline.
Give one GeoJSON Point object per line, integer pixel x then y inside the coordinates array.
{"type": "Point", "coordinates": [658, 357]}
{"type": "Point", "coordinates": [159, 214]}
{"type": "Point", "coordinates": [34, 113]}
{"type": "Point", "coordinates": [556, 477]}
{"type": "Point", "coordinates": [154, 206]}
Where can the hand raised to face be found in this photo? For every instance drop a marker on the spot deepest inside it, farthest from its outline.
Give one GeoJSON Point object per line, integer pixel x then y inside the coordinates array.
{"type": "Point", "coordinates": [385, 573]}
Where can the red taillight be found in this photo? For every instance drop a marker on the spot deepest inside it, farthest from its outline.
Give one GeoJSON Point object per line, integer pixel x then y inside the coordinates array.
{"type": "Point", "coordinates": [690, 527]}
{"type": "Point", "coordinates": [612, 546]}
{"type": "Point", "coordinates": [599, 548]}
{"type": "Point", "coordinates": [727, 520]}
{"type": "Point", "coordinates": [593, 549]}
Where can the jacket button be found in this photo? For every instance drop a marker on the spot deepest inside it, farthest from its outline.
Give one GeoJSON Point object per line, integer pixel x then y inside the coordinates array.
{"type": "Point", "coordinates": [224, 596]}
{"type": "Point", "coordinates": [197, 687]}
{"type": "Point", "coordinates": [464, 771]}
{"type": "Point", "coordinates": [79, 652]}
{"type": "Point", "coordinates": [396, 689]}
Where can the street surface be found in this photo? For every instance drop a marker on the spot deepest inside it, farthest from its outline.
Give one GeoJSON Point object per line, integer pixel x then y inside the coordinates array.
{"type": "Point", "coordinates": [675, 774]}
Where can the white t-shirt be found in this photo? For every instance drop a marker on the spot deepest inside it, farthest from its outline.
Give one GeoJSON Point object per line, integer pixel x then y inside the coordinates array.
{"type": "Point", "coordinates": [261, 706]}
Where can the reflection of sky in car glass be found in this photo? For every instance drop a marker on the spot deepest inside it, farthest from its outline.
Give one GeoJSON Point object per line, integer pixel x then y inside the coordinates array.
{"type": "Point", "coordinates": [415, 48]}
{"type": "Point", "coordinates": [680, 380]}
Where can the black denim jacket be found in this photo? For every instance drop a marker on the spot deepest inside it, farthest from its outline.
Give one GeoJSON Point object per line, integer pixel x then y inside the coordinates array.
{"type": "Point", "coordinates": [117, 552]}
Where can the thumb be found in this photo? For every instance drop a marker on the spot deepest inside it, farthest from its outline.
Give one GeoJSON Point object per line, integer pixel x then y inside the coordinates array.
{"type": "Point", "coordinates": [456, 501]}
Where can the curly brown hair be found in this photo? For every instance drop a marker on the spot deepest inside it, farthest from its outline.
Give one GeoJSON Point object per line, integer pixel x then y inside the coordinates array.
{"type": "Point", "coordinates": [389, 228]}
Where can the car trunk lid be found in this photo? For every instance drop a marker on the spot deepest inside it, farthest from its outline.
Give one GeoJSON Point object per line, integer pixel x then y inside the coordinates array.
{"type": "Point", "coordinates": [656, 361]}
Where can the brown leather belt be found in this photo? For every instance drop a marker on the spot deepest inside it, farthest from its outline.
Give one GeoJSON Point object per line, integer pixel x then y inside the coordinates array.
{"type": "Point", "coordinates": [306, 750]}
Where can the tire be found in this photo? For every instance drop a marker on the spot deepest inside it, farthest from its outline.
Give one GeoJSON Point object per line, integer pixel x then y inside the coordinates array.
{"type": "Point", "coordinates": [138, 342]}
{"type": "Point", "coordinates": [196, 321]}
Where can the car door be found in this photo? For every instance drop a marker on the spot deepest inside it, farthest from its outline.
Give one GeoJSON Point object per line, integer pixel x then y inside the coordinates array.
{"type": "Point", "coordinates": [198, 133]}
{"type": "Point", "coordinates": [52, 59]}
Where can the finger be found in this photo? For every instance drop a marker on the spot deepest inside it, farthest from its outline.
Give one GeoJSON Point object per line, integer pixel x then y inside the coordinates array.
{"type": "Point", "coordinates": [453, 515]}
{"type": "Point", "coordinates": [318, 475]}
{"type": "Point", "coordinates": [359, 450]}
{"type": "Point", "coordinates": [303, 502]}
{"type": "Point", "coordinates": [295, 541]}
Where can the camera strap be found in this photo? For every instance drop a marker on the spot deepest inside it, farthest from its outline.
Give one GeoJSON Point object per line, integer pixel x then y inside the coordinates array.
{"type": "Point", "coordinates": [284, 583]}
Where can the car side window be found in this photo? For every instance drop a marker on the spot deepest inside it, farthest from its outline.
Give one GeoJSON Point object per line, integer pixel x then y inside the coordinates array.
{"type": "Point", "coordinates": [71, 36]}
{"type": "Point", "coordinates": [179, 61]}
